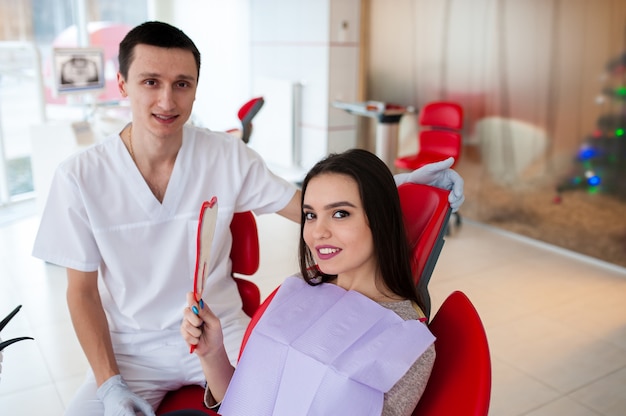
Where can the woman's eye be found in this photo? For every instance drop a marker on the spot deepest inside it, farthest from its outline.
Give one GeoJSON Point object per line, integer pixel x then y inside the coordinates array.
{"type": "Point", "coordinates": [308, 216]}
{"type": "Point", "coordinates": [341, 214]}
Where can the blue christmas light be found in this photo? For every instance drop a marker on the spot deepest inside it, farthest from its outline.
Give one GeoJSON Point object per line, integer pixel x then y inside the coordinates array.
{"type": "Point", "coordinates": [593, 180]}
{"type": "Point", "coordinates": [587, 153]}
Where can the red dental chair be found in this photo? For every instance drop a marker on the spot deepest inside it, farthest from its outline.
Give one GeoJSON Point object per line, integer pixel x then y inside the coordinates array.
{"type": "Point", "coordinates": [439, 135]}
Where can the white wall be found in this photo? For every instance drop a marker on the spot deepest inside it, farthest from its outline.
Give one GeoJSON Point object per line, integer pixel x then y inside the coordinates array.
{"type": "Point", "coordinates": [314, 43]}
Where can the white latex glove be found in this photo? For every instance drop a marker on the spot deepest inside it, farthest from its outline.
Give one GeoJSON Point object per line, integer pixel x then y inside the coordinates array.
{"type": "Point", "coordinates": [440, 175]}
{"type": "Point", "coordinates": [118, 400]}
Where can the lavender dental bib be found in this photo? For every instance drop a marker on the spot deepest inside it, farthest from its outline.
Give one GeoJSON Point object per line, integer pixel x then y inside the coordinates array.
{"type": "Point", "coordinates": [322, 350]}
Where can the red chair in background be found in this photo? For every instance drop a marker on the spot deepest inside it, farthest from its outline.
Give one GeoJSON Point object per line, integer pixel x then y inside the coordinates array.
{"type": "Point", "coordinates": [460, 382]}
{"type": "Point", "coordinates": [246, 114]}
{"type": "Point", "coordinates": [244, 255]}
{"type": "Point", "coordinates": [439, 135]}
{"type": "Point", "coordinates": [426, 214]}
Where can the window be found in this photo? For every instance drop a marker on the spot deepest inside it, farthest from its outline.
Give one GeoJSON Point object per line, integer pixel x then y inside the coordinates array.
{"type": "Point", "coordinates": [30, 30]}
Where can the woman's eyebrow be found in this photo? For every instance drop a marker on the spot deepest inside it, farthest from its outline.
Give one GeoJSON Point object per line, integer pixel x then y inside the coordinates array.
{"type": "Point", "coordinates": [333, 205]}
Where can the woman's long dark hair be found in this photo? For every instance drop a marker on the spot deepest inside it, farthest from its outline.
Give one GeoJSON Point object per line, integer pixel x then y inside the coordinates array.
{"type": "Point", "coordinates": [381, 204]}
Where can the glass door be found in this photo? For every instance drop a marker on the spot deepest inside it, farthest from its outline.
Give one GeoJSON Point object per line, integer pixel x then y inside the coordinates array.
{"type": "Point", "coordinates": [28, 33]}
{"type": "Point", "coordinates": [21, 105]}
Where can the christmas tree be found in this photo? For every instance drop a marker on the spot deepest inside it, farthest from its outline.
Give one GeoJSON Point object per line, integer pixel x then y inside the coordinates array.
{"type": "Point", "coordinates": [600, 164]}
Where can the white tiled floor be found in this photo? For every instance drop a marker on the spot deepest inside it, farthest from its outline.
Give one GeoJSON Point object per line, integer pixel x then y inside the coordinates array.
{"type": "Point", "coordinates": [556, 323]}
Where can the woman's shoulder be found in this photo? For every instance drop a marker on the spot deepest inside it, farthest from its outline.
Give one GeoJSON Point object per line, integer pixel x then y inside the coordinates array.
{"type": "Point", "coordinates": [406, 309]}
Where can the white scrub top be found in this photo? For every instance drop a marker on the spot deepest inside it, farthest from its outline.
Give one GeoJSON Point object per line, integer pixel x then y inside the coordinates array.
{"type": "Point", "coordinates": [101, 215]}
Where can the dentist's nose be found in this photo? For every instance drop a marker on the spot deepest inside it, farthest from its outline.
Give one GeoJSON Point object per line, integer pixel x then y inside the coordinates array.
{"type": "Point", "coordinates": [166, 99]}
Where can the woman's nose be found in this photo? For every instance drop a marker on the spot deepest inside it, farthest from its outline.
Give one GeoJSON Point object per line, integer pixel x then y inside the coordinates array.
{"type": "Point", "coordinates": [320, 229]}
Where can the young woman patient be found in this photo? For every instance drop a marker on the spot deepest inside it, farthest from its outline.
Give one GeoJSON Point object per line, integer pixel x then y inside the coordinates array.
{"type": "Point", "coordinates": [345, 335]}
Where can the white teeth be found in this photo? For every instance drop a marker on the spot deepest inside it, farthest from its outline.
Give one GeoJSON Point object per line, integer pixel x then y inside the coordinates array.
{"type": "Point", "coordinates": [328, 250]}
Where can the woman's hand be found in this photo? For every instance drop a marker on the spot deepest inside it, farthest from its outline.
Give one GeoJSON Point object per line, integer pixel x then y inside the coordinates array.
{"type": "Point", "coordinates": [200, 327]}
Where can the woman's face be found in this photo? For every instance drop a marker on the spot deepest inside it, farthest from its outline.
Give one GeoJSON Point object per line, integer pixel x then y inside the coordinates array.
{"type": "Point", "coordinates": [336, 229]}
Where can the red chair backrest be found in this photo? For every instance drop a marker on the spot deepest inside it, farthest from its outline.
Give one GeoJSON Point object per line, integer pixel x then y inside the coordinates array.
{"type": "Point", "coordinates": [246, 114]}
{"type": "Point", "coordinates": [250, 108]}
{"type": "Point", "coordinates": [441, 114]}
{"type": "Point", "coordinates": [244, 252]}
{"type": "Point", "coordinates": [426, 213]}
{"type": "Point", "coordinates": [255, 319]}
{"type": "Point", "coordinates": [460, 382]}
{"type": "Point", "coordinates": [441, 143]}
{"type": "Point", "coordinates": [244, 255]}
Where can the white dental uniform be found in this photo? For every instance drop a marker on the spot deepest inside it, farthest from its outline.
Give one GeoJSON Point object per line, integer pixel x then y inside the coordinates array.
{"type": "Point", "coordinates": [101, 215]}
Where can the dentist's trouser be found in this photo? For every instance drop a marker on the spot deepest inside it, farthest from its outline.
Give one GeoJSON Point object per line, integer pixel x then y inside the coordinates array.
{"type": "Point", "coordinates": [153, 370]}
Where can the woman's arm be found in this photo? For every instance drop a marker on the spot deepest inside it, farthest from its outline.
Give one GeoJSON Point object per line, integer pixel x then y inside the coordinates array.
{"type": "Point", "coordinates": [404, 395]}
{"type": "Point", "coordinates": [205, 332]}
